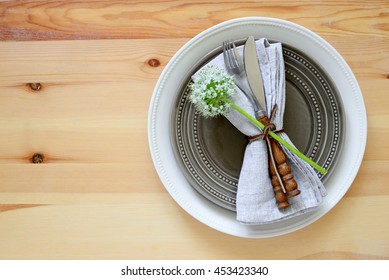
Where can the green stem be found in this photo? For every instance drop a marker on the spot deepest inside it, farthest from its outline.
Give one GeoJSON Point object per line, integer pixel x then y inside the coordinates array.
{"type": "Point", "coordinates": [278, 138]}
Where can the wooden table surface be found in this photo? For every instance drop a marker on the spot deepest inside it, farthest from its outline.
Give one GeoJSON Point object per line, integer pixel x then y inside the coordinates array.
{"type": "Point", "coordinates": [76, 176]}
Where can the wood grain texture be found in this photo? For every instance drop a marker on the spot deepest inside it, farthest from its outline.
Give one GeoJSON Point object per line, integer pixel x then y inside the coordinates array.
{"type": "Point", "coordinates": [96, 195]}
{"type": "Point", "coordinates": [42, 20]}
{"type": "Point", "coordinates": [143, 228]}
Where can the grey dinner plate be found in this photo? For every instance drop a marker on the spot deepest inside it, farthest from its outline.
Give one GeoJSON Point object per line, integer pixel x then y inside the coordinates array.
{"type": "Point", "coordinates": [210, 151]}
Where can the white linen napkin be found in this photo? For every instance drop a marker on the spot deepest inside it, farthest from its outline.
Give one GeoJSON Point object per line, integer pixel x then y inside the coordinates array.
{"type": "Point", "coordinates": [255, 201]}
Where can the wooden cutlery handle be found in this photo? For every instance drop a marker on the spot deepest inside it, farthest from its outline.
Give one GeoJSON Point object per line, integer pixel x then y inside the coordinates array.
{"type": "Point", "coordinates": [284, 171]}
{"type": "Point", "coordinates": [281, 197]}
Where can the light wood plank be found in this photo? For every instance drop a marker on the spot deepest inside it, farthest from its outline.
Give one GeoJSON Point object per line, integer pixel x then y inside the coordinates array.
{"type": "Point", "coordinates": [143, 228]}
{"type": "Point", "coordinates": [43, 20]}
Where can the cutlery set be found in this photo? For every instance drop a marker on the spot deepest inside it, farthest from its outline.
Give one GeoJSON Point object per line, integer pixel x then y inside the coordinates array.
{"type": "Point", "coordinates": [247, 76]}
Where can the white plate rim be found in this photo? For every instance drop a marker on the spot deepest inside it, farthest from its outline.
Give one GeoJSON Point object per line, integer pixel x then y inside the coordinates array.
{"type": "Point", "coordinates": [313, 45]}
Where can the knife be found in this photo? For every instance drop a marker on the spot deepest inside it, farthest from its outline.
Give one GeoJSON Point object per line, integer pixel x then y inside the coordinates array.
{"type": "Point", "coordinates": [284, 184]}
{"type": "Point", "coordinates": [253, 72]}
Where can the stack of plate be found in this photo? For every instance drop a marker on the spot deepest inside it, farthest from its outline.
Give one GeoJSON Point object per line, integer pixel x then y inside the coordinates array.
{"type": "Point", "coordinates": [199, 160]}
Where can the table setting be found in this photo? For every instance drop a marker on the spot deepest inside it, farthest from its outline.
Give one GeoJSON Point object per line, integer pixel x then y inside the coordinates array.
{"type": "Point", "coordinates": [240, 199]}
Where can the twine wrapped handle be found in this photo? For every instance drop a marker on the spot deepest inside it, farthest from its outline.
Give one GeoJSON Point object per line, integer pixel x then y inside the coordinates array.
{"type": "Point", "coordinates": [282, 179]}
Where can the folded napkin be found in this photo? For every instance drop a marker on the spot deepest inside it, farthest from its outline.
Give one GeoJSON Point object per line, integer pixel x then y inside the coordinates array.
{"type": "Point", "coordinates": [255, 201]}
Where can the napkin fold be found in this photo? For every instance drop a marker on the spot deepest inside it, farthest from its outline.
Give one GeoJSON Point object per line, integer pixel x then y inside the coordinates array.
{"type": "Point", "coordinates": [255, 201]}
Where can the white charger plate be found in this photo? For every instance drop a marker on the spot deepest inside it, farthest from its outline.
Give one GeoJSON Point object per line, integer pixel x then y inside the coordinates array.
{"type": "Point", "coordinates": [170, 85]}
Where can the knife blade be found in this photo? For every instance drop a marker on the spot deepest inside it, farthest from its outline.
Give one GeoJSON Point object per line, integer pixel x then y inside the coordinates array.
{"type": "Point", "coordinates": [253, 71]}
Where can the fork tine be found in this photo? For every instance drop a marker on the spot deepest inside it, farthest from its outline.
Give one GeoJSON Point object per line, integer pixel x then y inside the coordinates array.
{"type": "Point", "coordinates": [236, 55]}
{"type": "Point", "coordinates": [228, 60]}
{"type": "Point", "coordinates": [225, 56]}
{"type": "Point", "coordinates": [228, 56]}
{"type": "Point", "coordinates": [232, 56]}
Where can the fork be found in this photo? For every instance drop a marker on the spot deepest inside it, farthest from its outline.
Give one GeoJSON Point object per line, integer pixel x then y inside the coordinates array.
{"type": "Point", "coordinates": [237, 70]}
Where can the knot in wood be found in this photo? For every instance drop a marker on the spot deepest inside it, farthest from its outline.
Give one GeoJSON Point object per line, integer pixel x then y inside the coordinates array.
{"type": "Point", "coordinates": [37, 158]}
{"type": "Point", "coordinates": [154, 62]}
{"type": "Point", "coordinates": [34, 86]}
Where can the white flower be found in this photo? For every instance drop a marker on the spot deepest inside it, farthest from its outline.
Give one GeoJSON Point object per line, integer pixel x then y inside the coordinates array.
{"type": "Point", "coordinates": [210, 93]}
